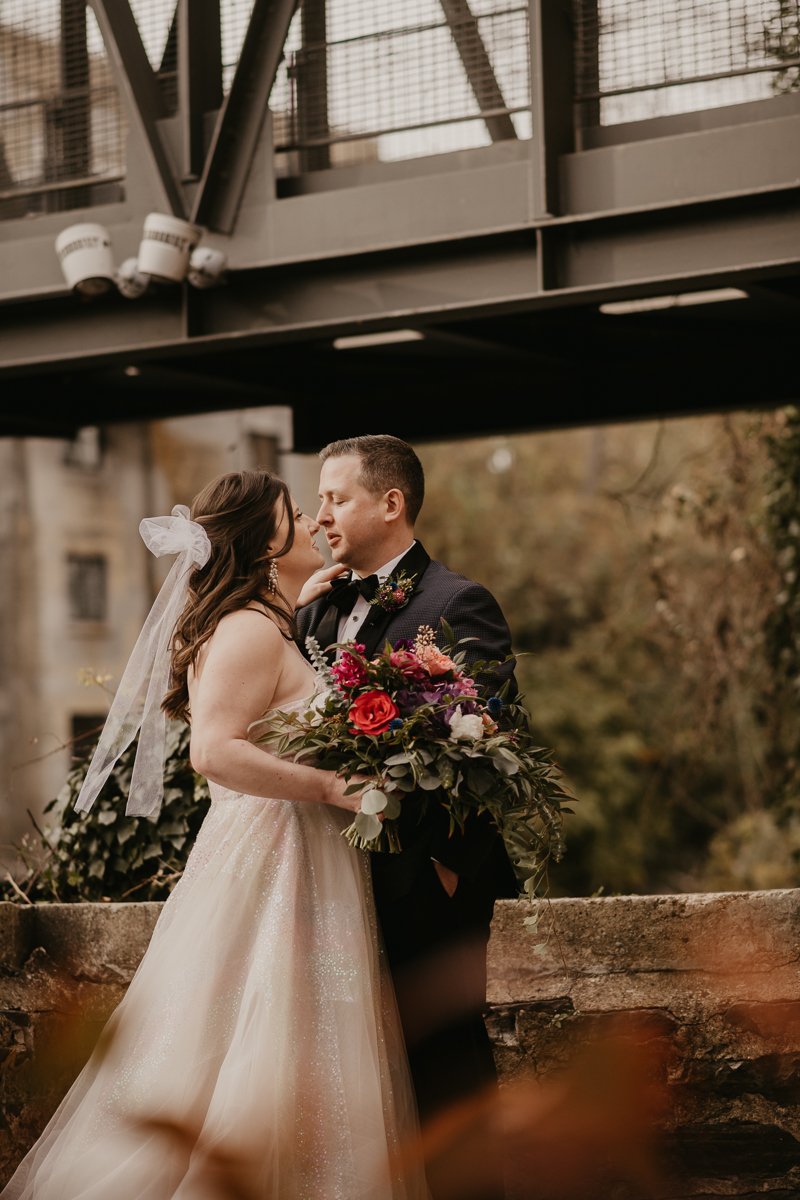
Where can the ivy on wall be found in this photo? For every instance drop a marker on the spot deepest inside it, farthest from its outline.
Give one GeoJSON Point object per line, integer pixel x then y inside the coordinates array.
{"type": "Point", "coordinates": [106, 855]}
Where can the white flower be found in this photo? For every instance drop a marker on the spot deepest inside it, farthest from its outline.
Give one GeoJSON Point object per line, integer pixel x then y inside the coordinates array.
{"type": "Point", "coordinates": [466, 725]}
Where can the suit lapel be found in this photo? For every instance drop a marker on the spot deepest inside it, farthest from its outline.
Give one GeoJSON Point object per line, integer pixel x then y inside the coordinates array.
{"type": "Point", "coordinates": [326, 631]}
{"type": "Point", "coordinates": [372, 633]}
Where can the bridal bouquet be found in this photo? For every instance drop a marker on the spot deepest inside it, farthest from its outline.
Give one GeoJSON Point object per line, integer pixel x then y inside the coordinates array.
{"type": "Point", "coordinates": [413, 720]}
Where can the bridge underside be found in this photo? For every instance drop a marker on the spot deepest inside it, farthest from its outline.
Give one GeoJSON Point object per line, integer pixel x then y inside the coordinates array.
{"type": "Point", "coordinates": [492, 280]}
{"type": "Point", "coordinates": [523, 367]}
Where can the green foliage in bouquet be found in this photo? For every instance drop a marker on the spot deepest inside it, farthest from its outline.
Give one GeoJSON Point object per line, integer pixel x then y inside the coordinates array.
{"type": "Point", "coordinates": [106, 855]}
{"type": "Point", "coordinates": [413, 720]}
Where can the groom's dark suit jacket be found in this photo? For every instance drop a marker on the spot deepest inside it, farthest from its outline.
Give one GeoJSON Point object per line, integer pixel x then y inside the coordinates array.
{"type": "Point", "coordinates": [471, 610]}
{"type": "Point", "coordinates": [435, 943]}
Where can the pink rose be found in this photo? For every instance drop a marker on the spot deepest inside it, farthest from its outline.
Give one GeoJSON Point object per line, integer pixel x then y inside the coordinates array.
{"type": "Point", "coordinates": [465, 687]}
{"type": "Point", "coordinates": [408, 664]}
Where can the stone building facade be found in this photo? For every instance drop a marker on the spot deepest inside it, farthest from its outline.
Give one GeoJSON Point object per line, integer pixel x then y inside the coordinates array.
{"type": "Point", "coordinates": [76, 580]}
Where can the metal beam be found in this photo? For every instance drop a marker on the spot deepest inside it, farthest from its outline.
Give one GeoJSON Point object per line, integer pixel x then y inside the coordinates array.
{"type": "Point", "coordinates": [593, 368]}
{"type": "Point", "coordinates": [199, 76]}
{"type": "Point", "coordinates": [695, 247]}
{"type": "Point", "coordinates": [311, 83]}
{"type": "Point", "coordinates": [478, 67]}
{"type": "Point", "coordinates": [140, 91]}
{"type": "Point", "coordinates": [69, 132]}
{"type": "Point", "coordinates": [242, 115]}
{"type": "Point", "coordinates": [552, 98]}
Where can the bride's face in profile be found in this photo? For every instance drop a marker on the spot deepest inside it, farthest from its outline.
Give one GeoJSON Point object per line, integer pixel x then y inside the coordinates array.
{"type": "Point", "coordinates": [299, 563]}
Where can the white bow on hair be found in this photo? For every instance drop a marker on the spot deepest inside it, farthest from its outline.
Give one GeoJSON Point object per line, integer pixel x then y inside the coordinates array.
{"type": "Point", "coordinates": [137, 703]}
{"type": "Point", "coordinates": [176, 535]}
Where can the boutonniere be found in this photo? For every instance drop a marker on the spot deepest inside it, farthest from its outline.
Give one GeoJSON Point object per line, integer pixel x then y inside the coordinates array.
{"type": "Point", "coordinates": [394, 593]}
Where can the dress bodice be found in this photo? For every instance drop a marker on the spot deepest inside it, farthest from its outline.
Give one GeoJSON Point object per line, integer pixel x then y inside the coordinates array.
{"type": "Point", "coordinates": [292, 706]}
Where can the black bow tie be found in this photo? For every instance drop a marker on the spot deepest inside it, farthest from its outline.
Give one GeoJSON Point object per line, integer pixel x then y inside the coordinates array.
{"type": "Point", "coordinates": [345, 592]}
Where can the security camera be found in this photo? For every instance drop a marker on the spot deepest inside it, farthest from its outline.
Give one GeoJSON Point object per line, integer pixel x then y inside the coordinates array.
{"type": "Point", "coordinates": [130, 280]}
{"type": "Point", "coordinates": [207, 267]}
{"type": "Point", "coordinates": [86, 258]}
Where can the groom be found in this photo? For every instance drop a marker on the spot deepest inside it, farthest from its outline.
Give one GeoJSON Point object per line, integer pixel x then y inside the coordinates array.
{"type": "Point", "coordinates": [435, 898]}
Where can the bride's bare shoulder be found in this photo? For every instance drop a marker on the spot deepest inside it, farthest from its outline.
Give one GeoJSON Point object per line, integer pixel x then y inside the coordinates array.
{"type": "Point", "coordinates": [247, 627]}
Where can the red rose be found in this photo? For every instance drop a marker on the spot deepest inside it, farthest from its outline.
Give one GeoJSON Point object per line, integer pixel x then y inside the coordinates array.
{"type": "Point", "coordinates": [372, 712]}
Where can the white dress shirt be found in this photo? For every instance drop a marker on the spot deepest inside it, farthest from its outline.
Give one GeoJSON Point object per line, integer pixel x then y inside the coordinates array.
{"type": "Point", "coordinates": [349, 624]}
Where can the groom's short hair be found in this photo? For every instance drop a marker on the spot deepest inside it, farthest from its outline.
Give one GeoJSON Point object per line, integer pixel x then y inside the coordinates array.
{"type": "Point", "coordinates": [386, 462]}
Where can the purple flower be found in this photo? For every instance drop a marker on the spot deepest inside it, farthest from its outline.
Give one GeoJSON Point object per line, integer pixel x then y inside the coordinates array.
{"type": "Point", "coordinates": [467, 707]}
{"type": "Point", "coordinates": [403, 644]}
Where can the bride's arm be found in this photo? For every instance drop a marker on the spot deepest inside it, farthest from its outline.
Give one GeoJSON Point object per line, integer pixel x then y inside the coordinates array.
{"type": "Point", "coordinates": [236, 685]}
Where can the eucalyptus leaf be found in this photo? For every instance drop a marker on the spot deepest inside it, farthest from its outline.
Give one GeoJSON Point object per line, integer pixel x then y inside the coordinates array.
{"type": "Point", "coordinates": [507, 768]}
{"type": "Point", "coordinates": [429, 781]}
{"type": "Point", "coordinates": [478, 780]}
{"type": "Point", "coordinates": [373, 801]}
{"type": "Point", "coordinates": [393, 808]}
{"type": "Point", "coordinates": [367, 826]}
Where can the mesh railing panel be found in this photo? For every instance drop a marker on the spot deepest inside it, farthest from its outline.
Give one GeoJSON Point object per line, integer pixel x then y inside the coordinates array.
{"type": "Point", "coordinates": [62, 130]}
{"type": "Point", "coordinates": [234, 19]}
{"type": "Point", "coordinates": [392, 79]}
{"type": "Point", "coordinates": [637, 59]}
{"type": "Point", "coordinates": [371, 80]}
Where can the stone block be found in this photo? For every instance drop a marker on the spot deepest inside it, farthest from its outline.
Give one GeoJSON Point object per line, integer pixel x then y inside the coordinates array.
{"type": "Point", "coordinates": [100, 943]}
{"type": "Point", "coordinates": [714, 976]}
{"type": "Point", "coordinates": [16, 930]}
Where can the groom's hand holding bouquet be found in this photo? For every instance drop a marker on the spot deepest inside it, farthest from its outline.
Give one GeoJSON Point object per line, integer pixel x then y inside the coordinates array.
{"type": "Point", "coordinates": [412, 720]}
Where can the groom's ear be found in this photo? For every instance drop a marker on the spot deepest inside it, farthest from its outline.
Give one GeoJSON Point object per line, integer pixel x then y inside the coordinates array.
{"type": "Point", "coordinates": [395, 503]}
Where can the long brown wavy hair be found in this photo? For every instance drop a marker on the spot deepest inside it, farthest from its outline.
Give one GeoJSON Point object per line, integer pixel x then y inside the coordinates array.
{"type": "Point", "coordinates": [240, 513]}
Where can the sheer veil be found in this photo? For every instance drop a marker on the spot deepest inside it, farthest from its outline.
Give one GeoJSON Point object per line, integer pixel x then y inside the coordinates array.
{"type": "Point", "coordinates": [137, 703]}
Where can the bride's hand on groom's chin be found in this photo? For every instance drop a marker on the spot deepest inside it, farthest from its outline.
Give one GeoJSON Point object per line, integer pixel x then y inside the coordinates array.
{"type": "Point", "coordinates": [319, 584]}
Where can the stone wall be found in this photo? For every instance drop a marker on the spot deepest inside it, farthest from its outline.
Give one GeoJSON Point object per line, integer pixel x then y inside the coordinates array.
{"type": "Point", "coordinates": [715, 977]}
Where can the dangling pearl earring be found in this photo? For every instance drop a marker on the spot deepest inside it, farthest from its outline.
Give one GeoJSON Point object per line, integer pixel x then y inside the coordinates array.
{"type": "Point", "coordinates": [272, 577]}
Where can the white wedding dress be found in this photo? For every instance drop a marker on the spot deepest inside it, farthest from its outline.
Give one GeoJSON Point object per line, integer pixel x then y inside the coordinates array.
{"type": "Point", "coordinates": [262, 1016]}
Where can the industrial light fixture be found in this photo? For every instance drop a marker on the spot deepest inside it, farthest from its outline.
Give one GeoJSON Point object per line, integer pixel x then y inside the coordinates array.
{"type": "Point", "coordinates": [620, 308]}
{"type": "Point", "coordinates": [131, 282]}
{"type": "Point", "coordinates": [168, 253]}
{"type": "Point", "coordinates": [166, 247]}
{"type": "Point", "coordinates": [207, 268]}
{"type": "Point", "coordinates": [86, 258]}
{"type": "Point", "coordinates": [388, 338]}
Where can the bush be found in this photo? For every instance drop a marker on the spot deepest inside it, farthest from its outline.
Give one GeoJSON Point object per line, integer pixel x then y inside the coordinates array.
{"type": "Point", "coordinates": [106, 855]}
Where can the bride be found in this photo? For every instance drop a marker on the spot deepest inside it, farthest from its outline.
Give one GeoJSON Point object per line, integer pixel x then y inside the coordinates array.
{"type": "Point", "coordinates": [260, 1029]}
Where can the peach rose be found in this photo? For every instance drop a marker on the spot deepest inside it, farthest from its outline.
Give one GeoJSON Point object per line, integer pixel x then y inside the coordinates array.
{"type": "Point", "coordinates": [435, 662]}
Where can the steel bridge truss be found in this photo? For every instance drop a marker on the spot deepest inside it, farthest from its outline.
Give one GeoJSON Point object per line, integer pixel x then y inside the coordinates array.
{"type": "Point", "coordinates": [495, 259]}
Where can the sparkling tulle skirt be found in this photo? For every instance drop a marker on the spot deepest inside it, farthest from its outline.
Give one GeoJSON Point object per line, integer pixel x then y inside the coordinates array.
{"type": "Point", "coordinates": [259, 1034]}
